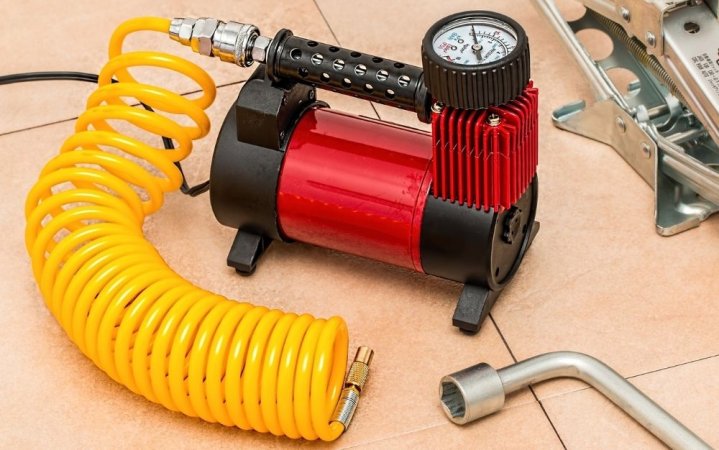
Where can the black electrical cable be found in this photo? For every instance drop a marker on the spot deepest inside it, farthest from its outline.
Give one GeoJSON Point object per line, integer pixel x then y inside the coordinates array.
{"type": "Point", "coordinates": [193, 191]}
{"type": "Point", "coordinates": [47, 76]}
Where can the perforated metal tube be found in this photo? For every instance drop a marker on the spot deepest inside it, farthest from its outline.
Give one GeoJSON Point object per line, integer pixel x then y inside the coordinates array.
{"type": "Point", "coordinates": [349, 72]}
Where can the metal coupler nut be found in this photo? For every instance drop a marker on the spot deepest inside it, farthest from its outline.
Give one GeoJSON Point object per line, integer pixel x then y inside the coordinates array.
{"type": "Point", "coordinates": [234, 42]}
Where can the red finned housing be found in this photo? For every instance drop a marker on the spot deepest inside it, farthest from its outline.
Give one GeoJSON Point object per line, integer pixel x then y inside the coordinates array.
{"type": "Point", "coordinates": [486, 158]}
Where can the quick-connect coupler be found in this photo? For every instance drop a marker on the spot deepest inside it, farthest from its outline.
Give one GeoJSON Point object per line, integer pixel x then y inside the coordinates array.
{"type": "Point", "coordinates": [234, 42]}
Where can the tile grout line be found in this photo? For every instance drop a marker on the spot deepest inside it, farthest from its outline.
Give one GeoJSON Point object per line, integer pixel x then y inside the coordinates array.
{"type": "Point", "coordinates": [376, 113]}
{"type": "Point", "coordinates": [504, 340]}
{"type": "Point", "coordinates": [405, 433]}
{"type": "Point", "coordinates": [587, 387]}
{"type": "Point", "coordinates": [531, 389]}
{"type": "Point", "coordinates": [183, 94]}
{"type": "Point", "coordinates": [339, 43]}
{"type": "Point", "coordinates": [35, 127]}
{"type": "Point", "coordinates": [672, 367]}
{"type": "Point", "coordinates": [326, 22]}
{"type": "Point", "coordinates": [424, 428]}
{"type": "Point", "coordinates": [546, 414]}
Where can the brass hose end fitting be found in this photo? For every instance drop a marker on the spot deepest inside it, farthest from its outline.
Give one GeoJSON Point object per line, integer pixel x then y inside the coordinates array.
{"type": "Point", "coordinates": [354, 383]}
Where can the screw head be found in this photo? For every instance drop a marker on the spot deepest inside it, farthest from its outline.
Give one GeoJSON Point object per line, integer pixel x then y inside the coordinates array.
{"type": "Point", "coordinates": [437, 107]}
{"type": "Point", "coordinates": [651, 39]}
{"type": "Point", "coordinates": [338, 64]}
{"type": "Point", "coordinates": [512, 223]}
{"type": "Point", "coordinates": [494, 120]}
{"type": "Point", "coordinates": [626, 15]}
{"type": "Point", "coordinates": [646, 150]}
{"type": "Point", "coordinates": [620, 124]}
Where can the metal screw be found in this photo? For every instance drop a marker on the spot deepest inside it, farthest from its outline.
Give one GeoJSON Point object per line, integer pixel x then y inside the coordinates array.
{"type": "Point", "coordinates": [512, 224]}
{"type": "Point", "coordinates": [382, 75]}
{"type": "Point", "coordinates": [360, 69]}
{"type": "Point", "coordinates": [620, 124]}
{"type": "Point", "coordinates": [317, 59]}
{"type": "Point", "coordinates": [626, 15]}
{"type": "Point", "coordinates": [494, 120]}
{"type": "Point", "coordinates": [403, 80]}
{"type": "Point", "coordinates": [338, 64]}
{"type": "Point", "coordinates": [437, 107]}
{"type": "Point", "coordinates": [646, 150]}
{"type": "Point", "coordinates": [651, 39]}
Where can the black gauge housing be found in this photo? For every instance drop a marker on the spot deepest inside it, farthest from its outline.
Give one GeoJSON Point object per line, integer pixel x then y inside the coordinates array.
{"type": "Point", "coordinates": [476, 86]}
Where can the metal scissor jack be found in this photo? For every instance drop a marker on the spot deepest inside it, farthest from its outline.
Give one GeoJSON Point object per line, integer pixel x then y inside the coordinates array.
{"type": "Point", "coordinates": [666, 125]}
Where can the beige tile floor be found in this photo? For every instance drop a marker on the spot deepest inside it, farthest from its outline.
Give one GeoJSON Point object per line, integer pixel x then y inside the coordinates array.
{"type": "Point", "coordinates": [597, 280]}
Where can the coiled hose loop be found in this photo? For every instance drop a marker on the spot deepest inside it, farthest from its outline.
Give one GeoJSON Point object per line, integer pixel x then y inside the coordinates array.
{"type": "Point", "coordinates": [145, 326]}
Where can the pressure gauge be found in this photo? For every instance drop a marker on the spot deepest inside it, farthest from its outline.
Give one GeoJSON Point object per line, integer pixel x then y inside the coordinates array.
{"type": "Point", "coordinates": [475, 59]}
{"type": "Point", "coordinates": [474, 41]}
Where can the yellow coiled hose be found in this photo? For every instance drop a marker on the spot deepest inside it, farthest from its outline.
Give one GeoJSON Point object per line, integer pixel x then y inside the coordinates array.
{"type": "Point", "coordinates": [144, 325]}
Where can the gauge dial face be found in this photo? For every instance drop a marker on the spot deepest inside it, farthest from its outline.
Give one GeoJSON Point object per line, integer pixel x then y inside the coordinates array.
{"type": "Point", "coordinates": [475, 41]}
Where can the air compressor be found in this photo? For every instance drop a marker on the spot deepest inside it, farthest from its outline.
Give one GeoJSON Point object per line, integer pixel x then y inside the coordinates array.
{"type": "Point", "coordinates": [458, 203]}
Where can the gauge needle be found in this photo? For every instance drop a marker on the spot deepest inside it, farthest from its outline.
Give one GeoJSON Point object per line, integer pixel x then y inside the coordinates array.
{"type": "Point", "coordinates": [476, 48]}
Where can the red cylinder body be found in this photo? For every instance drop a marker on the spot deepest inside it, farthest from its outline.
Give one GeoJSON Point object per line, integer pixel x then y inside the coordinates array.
{"type": "Point", "coordinates": [355, 185]}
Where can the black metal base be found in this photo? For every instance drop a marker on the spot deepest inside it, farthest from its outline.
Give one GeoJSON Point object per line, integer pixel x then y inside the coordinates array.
{"type": "Point", "coordinates": [473, 306]}
{"type": "Point", "coordinates": [246, 250]}
{"type": "Point", "coordinates": [475, 302]}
